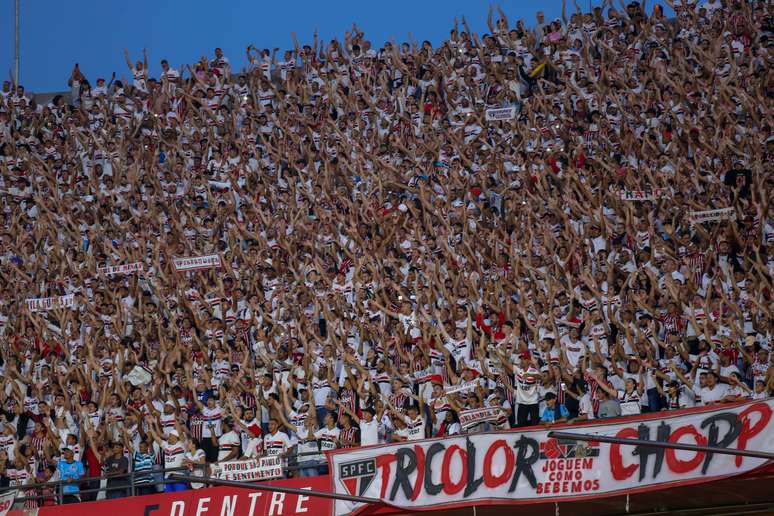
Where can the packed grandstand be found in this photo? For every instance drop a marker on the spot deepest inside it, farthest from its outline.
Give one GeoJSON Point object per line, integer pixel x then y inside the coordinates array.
{"type": "Point", "coordinates": [346, 245]}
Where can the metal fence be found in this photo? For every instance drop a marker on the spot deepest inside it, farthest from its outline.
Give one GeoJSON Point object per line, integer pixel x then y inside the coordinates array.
{"type": "Point", "coordinates": [129, 484]}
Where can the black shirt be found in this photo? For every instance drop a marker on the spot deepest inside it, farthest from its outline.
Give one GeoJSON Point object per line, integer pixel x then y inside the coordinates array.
{"type": "Point", "coordinates": [115, 466]}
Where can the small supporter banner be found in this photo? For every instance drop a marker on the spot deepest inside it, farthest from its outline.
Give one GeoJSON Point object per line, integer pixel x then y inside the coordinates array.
{"type": "Point", "coordinates": [524, 466]}
{"type": "Point", "coordinates": [642, 195]}
{"type": "Point", "coordinates": [460, 387]}
{"type": "Point", "coordinates": [425, 375]}
{"type": "Point", "coordinates": [210, 261]}
{"type": "Point", "coordinates": [697, 217]}
{"type": "Point", "coordinates": [129, 268]}
{"type": "Point", "coordinates": [473, 417]}
{"type": "Point", "coordinates": [264, 468]}
{"type": "Point", "coordinates": [497, 114]}
{"type": "Point", "coordinates": [44, 304]}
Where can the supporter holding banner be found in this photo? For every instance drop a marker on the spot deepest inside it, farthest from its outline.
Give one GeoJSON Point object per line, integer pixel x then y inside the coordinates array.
{"type": "Point", "coordinates": [642, 195]}
{"type": "Point", "coordinates": [497, 114]}
{"type": "Point", "coordinates": [264, 468]}
{"type": "Point", "coordinates": [211, 261]}
{"type": "Point", "coordinates": [461, 387]}
{"type": "Point", "coordinates": [129, 268]}
{"type": "Point", "coordinates": [473, 417]}
{"type": "Point", "coordinates": [50, 303]}
{"type": "Point", "coordinates": [697, 217]}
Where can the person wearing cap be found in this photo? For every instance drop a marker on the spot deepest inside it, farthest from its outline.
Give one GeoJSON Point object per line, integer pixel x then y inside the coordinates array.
{"type": "Point", "coordinates": [173, 450]}
{"type": "Point", "coordinates": [253, 448]}
{"type": "Point", "coordinates": [70, 472]}
{"type": "Point", "coordinates": [554, 412]}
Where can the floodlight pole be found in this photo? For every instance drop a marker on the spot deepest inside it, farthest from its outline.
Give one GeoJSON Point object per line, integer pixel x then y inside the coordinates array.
{"type": "Point", "coordinates": [17, 64]}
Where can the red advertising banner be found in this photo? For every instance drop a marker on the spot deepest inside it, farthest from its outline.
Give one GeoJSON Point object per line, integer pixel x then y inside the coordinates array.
{"type": "Point", "coordinates": [213, 501]}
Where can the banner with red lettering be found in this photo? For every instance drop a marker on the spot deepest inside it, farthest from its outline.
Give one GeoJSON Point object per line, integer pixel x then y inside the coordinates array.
{"type": "Point", "coordinates": [44, 304]}
{"type": "Point", "coordinates": [6, 501]}
{"type": "Point", "coordinates": [129, 268]}
{"type": "Point", "coordinates": [515, 467]}
{"type": "Point", "coordinates": [473, 417]}
{"type": "Point", "coordinates": [263, 468]}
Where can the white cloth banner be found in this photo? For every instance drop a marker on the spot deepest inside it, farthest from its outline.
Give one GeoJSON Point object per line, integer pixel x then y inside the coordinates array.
{"type": "Point", "coordinates": [460, 387]}
{"type": "Point", "coordinates": [526, 466]}
{"type": "Point", "coordinates": [6, 501]}
{"type": "Point", "coordinates": [121, 269]}
{"type": "Point", "coordinates": [44, 304]}
{"type": "Point", "coordinates": [642, 195]}
{"type": "Point", "coordinates": [472, 417]}
{"type": "Point", "coordinates": [139, 376]}
{"type": "Point", "coordinates": [697, 217]}
{"type": "Point", "coordinates": [497, 114]}
{"type": "Point", "coordinates": [197, 262]}
{"type": "Point", "coordinates": [264, 468]}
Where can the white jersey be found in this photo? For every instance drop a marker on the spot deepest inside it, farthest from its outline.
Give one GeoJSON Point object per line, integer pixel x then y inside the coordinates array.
{"type": "Point", "coordinates": [415, 427]}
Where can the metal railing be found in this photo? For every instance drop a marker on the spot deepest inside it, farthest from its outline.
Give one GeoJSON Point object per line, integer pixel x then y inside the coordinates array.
{"type": "Point", "coordinates": [52, 493]}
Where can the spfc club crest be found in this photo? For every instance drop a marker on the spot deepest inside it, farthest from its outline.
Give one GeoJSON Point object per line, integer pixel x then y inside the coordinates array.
{"type": "Point", "coordinates": [357, 476]}
{"type": "Point", "coordinates": [565, 449]}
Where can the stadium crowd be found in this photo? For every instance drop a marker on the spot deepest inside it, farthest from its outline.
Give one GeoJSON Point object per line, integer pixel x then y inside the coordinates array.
{"type": "Point", "coordinates": [383, 256]}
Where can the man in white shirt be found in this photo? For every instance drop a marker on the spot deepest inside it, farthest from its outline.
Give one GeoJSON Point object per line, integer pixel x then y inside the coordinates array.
{"type": "Point", "coordinates": [328, 437]}
{"type": "Point", "coordinates": [527, 378]}
{"type": "Point", "coordinates": [713, 392]}
{"type": "Point", "coordinates": [228, 443]}
{"type": "Point", "coordinates": [369, 428]}
{"type": "Point", "coordinates": [173, 450]}
{"type": "Point", "coordinates": [275, 442]}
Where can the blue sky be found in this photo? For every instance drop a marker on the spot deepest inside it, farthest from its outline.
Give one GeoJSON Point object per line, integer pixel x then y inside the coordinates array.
{"type": "Point", "coordinates": [57, 34]}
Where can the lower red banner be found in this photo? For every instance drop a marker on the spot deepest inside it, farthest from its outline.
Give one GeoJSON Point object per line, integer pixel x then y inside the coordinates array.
{"type": "Point", "coordinates": [214, 501]}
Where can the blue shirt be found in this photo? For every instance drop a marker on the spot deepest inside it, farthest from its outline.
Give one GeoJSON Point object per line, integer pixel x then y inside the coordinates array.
{"type": "Point", "coordinates": [67, 472]}
{"type": "Point", "coordinates": [549, 414]}
{"type": "Point", "coordinates": [143, 467]}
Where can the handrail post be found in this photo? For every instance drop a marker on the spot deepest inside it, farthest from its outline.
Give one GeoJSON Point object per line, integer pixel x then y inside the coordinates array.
{"type": "Point", "coordinates": [131, 485]}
